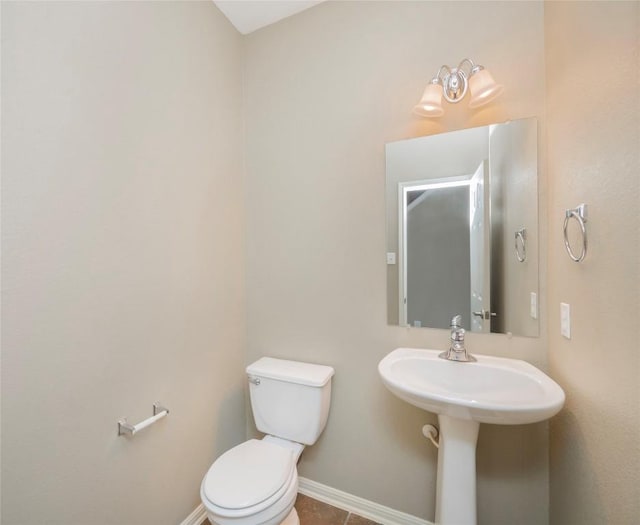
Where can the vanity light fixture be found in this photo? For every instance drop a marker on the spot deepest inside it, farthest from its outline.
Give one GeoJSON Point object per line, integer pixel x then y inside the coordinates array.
{"type": "Point", "coordinates": [453, 84]}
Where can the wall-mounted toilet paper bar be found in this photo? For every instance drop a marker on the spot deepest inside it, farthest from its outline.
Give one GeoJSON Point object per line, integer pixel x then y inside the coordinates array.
{"type": "Point", "coordinates": [124, 427]}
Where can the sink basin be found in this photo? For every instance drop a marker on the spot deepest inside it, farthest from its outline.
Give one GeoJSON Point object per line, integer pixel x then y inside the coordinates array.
{"type": "Point", "coordinates": [491, 390]}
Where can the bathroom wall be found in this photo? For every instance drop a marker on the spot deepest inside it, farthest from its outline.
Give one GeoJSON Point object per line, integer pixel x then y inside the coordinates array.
{"type": "Point", "coordinates": [324, 91]}
{"type": "Point", "coordinates": [122, 257]}
{"type": "Point", "coordinates": [593, 108]}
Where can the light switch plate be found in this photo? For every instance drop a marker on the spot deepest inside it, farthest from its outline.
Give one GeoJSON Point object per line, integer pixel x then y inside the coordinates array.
{"type": "Point", "coordinates": [534, 305]}
{"type": "Point", "coordinates": [391, 258]}
{"type": "Point", "coordinates": [565, 320]}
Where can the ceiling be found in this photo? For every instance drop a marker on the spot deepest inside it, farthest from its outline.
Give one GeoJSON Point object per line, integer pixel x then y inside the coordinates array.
{"type": "Point", "coordinates": [249, 15]}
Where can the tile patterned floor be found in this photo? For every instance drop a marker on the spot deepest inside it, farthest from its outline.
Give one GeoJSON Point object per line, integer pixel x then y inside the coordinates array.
{"type": "Point", "coordinates": [313, 512]}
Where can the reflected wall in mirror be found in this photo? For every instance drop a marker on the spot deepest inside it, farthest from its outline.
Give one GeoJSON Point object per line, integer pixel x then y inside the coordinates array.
{"type": "Point", "coordinates": [462, 226]}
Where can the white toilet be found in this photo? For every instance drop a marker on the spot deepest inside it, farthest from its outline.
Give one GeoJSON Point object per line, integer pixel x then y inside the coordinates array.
{"type": "Point", "coordinates": [256, 483]}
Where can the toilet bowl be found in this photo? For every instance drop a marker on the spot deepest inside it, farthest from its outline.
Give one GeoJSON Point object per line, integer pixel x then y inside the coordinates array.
{"type": "Point", "coordinates": [256, 482]}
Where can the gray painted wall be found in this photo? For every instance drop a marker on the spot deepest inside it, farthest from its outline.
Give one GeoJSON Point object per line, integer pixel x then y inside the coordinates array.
{"type": "Point", "coordinates": [324, 92]}
{"type": "Point", "coordinates": [122, 257]}
{"type": "Point", "coordinates": [594, 158]}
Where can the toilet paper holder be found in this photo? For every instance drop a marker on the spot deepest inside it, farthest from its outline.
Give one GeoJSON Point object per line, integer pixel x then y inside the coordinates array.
{"type": "Point", "coordinates": [126, 428]}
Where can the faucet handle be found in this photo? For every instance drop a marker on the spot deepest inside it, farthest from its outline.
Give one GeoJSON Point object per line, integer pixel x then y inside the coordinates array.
{"type": "Point", "coordinates": [456, 322]}
{"type": "Point", "coordinates": [457, 335]}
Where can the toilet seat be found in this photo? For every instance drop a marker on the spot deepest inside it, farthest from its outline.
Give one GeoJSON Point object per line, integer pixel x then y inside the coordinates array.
{"type": "Point", "coordinates": [249, 478]}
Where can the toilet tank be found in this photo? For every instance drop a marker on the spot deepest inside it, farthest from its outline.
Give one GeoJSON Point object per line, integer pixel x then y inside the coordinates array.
{"type": "Point", "coordinates": [290, 399]}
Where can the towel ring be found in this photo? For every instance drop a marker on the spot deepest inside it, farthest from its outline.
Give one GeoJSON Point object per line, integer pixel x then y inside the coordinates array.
{"type": "Point", "coordinates": [521, 249]}
{"type": "Point", "coordinates": [580, 215]}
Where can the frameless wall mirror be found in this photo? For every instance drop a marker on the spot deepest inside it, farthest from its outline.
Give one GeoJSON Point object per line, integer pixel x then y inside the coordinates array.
{"type": "Point", "coordinates": [462, 229]}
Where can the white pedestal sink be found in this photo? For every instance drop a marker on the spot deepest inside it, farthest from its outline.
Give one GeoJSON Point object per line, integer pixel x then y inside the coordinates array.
{"type": "Point", "coordinates": [492, 390]}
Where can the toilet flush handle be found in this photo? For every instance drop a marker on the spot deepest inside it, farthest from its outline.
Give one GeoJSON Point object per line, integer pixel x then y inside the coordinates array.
{"type": "Point", "coordinates": [254, 380]}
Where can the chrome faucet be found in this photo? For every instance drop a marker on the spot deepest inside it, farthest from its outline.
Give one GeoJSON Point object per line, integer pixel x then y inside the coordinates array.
{"type": "Point", "coordinates": [457, 350]}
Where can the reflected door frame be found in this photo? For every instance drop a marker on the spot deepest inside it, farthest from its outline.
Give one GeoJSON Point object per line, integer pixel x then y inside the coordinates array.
{"type": "Point", "coordinates": [480, 249]}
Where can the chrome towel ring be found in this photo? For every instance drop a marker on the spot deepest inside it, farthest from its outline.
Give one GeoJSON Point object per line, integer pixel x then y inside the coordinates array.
{"type": "Point", "coordinates": [580, 215]}
{"type": "Point", "coordinates": [521, 248]}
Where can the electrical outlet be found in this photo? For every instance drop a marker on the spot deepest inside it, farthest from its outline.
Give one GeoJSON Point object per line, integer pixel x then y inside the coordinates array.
{"type": "Point", "coordinates": [391, 258]}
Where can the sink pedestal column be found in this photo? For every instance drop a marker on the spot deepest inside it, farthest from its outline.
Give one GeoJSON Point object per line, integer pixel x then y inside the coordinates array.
{"type": "Point", "coordinates": [456, 478]}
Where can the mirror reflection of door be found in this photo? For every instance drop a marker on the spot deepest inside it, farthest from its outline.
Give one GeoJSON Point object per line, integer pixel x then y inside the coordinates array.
{"type": "Point", "coordinates": [434, 255]}
{"type": "Point", "coordinates": [480, 249]}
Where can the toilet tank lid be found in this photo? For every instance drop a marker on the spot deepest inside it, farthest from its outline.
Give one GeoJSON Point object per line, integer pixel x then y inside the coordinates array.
{"type": "Point", "coordinates": [291, 371]}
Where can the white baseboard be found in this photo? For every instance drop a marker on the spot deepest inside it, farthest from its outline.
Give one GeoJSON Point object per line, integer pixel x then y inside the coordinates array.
{"type": "Point", "coordinates": [337, 498]}
{"type": "Point", "coordinates": [360, 506]}
{"type": "Point", "coordinates": [196, 517]}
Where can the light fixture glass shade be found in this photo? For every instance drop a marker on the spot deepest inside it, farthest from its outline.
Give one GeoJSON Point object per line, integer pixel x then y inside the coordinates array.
{"type": "Point", "coordinates": [483, 88]}
{"type": "Point", "coordinates": [430, 104]}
